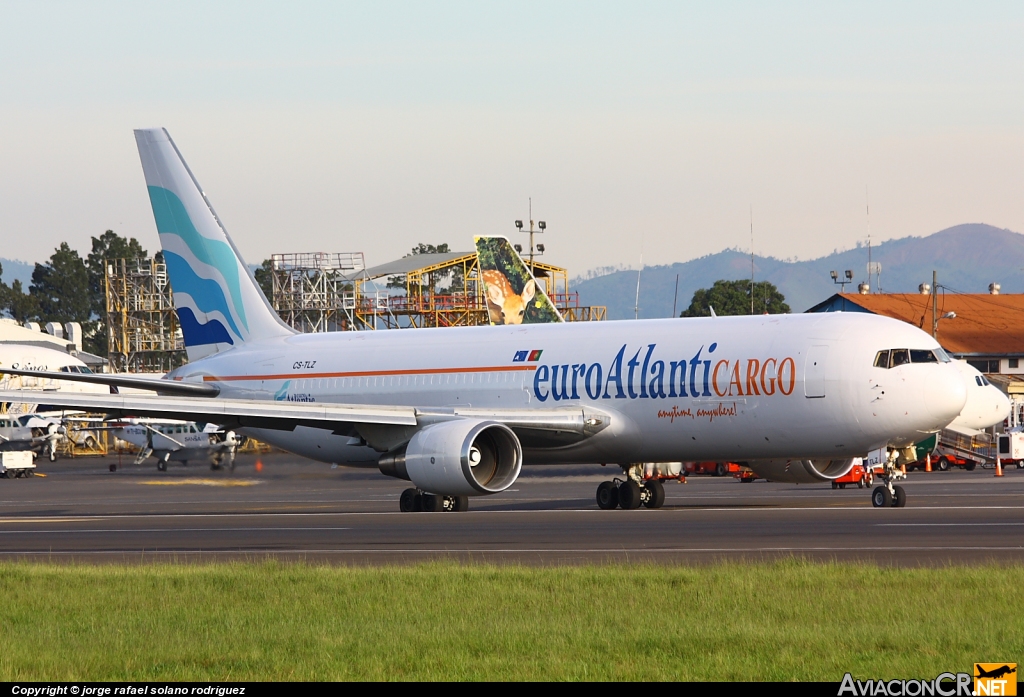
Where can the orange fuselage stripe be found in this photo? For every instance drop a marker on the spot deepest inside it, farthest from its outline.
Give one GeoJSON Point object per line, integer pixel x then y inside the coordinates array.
{"type": "Point", "coordinates": [369, 373]}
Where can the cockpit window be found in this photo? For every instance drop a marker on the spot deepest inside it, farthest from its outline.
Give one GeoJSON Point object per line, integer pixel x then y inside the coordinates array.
{"type": "Point", "coordinates": [896, 357]}
{"type": "Point", "coordinates": [919, 356]}
{"type": "Point", "coordinates": [899, 357]}
{"type": "Point", "coordinates": [84, 369]}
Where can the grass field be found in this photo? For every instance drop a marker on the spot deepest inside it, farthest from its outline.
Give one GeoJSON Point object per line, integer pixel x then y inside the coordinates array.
{"type": "Point", "coordinates": [791, 620]}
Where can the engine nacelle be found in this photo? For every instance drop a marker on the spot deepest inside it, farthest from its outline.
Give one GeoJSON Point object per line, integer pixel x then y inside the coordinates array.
{"type": "Point", "coordinates": [801, 471]}
{"type": "Point", "coordinates": [464, 457]}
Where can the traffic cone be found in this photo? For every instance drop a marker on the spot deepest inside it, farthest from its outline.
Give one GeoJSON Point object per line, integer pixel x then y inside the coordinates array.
{"type": "Point", "coordinates": [928, 462]}
{"type": "Point", "coordinates": [903, 468]}
{"type": "Point", "coordinates": [999, 467]}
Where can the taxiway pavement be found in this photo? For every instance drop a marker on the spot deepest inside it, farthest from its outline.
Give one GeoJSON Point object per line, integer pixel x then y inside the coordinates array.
{"type": "Point", "coordinates": [294, 509]}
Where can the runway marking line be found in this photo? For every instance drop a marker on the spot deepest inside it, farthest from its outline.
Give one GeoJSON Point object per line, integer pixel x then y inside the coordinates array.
{"type": "Point", "coordinates": [941, 525]}
{"type": "Point", "coordinates": [147, 530]}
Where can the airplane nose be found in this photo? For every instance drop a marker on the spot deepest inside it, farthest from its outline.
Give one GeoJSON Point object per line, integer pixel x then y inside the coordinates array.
{"type": "Point", "coordinates": [944, 396]}
{"type": "Point", "coordinates": [1001, 408]}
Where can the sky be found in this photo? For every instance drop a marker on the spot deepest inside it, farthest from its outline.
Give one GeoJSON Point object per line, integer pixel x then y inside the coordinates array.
{"type": "Point", "coordinates": [640, 129]}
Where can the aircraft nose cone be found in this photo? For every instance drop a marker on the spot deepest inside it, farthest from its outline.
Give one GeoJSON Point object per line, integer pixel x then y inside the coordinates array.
{"type": "Point", "coordinates": [1001, 408]}
{"type": "Point", "coordinates": [944, 397]}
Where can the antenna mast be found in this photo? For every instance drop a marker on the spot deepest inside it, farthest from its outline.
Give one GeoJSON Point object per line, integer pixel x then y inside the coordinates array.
{"type": "Point", "coordinates": [636, 307]}
{"type": "Point", "coordinates": [751, 258]}
{"type": "Point", "coordinates": [867, 213]}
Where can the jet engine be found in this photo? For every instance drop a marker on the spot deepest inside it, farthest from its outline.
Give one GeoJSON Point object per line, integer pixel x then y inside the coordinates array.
{"type": "Point", "coordinates": [801, 471]}
{"type": "Point", "coordinates": [463, 457]}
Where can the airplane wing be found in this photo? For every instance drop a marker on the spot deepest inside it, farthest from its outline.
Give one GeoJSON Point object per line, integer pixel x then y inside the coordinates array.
{"type": "Point", "coordinates": [158, 385]}
{"type": "Point", "coordinates": [376, 423]}
{"type": "Point", "coordinates": [243, 412]}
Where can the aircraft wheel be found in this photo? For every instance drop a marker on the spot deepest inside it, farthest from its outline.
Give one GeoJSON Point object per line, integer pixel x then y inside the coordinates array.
{"type": "Point", "coordinates": [657, 494]}
{"type": "Point", "coordinates": [53, 455]}
{"type": "Point", "coordinates": [456, 503]}
{"type": "Point", "coordinates": [607, 496]}
{"type": "Point", "coordinates": [943, 464]}
{"type": "Point", "coordinates": [881, 498]}
{"type": "Point", "coordinates": [629, 495]}
{"type": "Point", "coordinates": [971, 464]}
{"type": "Point", "coordinates": [900, 500]}
{"type": "Point", "coordinates": [432, 503]}
{"type": "Point", "coordinates": [161, 465]}
{"type": "Point", "coordinates": [409, 501]}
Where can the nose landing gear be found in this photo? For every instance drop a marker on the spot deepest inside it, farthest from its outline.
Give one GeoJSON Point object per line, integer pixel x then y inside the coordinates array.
{"type": "Point", "coordinates": [889, 494]}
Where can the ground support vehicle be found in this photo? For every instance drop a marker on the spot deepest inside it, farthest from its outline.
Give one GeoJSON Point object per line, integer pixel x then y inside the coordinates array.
{"type": "Point", "coordinates": [859, 474]}
{"type": "Point", "coordinates": [17, 463]}
{"type": "Point", "coordinates": [715, 469]}
{"type": "Point", "coordinates": [746, 475]}
{"type": "Point", "coordinates": [1011, 448]}
{"type": "Point", "coordinates": [951, 449]}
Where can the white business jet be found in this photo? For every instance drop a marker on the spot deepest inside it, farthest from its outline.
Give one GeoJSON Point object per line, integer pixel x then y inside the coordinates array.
{"type": "Point", "coordinates": [458, 411]}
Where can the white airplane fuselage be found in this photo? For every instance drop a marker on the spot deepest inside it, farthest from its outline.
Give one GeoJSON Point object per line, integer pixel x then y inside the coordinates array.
{"type": "Point", "coordinates": [187, 440]}
{"type": "Point", "coordinates": [725, 388]}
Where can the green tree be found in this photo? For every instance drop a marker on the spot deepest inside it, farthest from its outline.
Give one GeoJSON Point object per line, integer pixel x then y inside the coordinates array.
{"type": "Point", "coordinates": [19, 304]}
{"type": "Point", "coordinates": [265, 278]}
{"type": "Point", "coordinates": [61, 287]}
{"type": "Point", "coordinates": [733, 298]}
{"type": "Point", "coordinates": [15, 302]}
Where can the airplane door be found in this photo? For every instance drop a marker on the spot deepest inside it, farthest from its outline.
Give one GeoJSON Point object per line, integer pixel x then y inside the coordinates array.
{"type": "Point", "coordinates": [814, 372]}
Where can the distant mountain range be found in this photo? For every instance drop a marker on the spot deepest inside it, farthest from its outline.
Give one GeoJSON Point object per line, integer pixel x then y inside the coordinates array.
{"type": "Point", "coordinates": [14, 269]}
{"type": "Point", "coordinates": [966, 257]}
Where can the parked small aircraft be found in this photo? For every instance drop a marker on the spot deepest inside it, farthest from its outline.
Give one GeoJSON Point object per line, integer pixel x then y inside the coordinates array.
{"type": "Point", "coordinates": [182, 441]}
{"type": "Point", "coordinates": [31, 432]}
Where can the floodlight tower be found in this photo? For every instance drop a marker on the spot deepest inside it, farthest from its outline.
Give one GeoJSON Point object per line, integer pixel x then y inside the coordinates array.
{"type": "Point", "coordinates": [534, 249]}
{"type": "Point", "coordinates": [848, 278]}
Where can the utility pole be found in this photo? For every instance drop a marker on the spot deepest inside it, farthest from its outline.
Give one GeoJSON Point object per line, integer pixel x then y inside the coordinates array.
{"type": "Point", "coordinates": [935, 314]}
{"type": "Point", "coordinates": [676, 298]}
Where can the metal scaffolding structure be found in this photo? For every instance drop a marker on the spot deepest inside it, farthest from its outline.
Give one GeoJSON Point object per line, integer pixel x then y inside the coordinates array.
{"type": "Point", "coordinates": [314, 292]}
{"type": "Point", "coordinates": [142, 328]}
{"type": "Point", "coordinates": [317, 292]}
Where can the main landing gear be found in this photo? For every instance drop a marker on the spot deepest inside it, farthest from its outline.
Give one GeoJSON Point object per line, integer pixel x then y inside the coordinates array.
{"type": "Point", "coordinates": [414, 500]}
{"type": "Point", "coordinates": [889, 494]}
{"type": "Point", "coordinates": [631, 493]}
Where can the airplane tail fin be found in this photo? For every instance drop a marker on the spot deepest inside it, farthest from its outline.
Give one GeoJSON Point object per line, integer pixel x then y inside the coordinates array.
{"type": "Point", "coordinates": [218, 302]}
{"type": "Point", "coordinates": [513, 294]}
